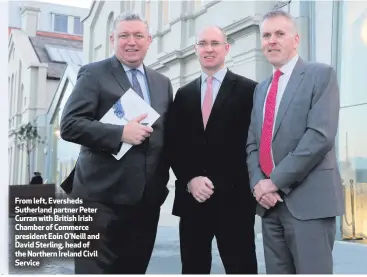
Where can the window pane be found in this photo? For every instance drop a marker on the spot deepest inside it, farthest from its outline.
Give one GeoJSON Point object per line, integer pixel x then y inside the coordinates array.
{"type": "Point", "coordinates": [197, 5]}
{"type": "Point", "coordinates": [78, 26]}
{"type": "Point", "coordinates": [147, 11]}
{"type": "Point", "coordinates": [61, 23]}
{"type": "Point", "coordinates": [353, 82]}
{"type": "Point", "coordinates": [165, 12]}
{"type": "Point", "coordinates": [352, 134]}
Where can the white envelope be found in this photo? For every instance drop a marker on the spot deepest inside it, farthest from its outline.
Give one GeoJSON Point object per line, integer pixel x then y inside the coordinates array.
{"type": "Point", "coordinates": [133, 106]}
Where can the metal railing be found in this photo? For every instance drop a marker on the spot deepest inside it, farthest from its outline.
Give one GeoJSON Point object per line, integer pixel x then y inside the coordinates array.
{"type": "Point", "coordinates": [354, 220]}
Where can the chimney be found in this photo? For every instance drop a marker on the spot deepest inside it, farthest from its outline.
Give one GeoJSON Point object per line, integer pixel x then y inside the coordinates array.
{"type": "Point", "coordinates": [29, 20]}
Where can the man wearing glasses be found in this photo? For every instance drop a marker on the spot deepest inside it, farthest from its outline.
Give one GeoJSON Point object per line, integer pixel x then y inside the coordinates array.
{"type": "Point", "coordinates": [208, 126]}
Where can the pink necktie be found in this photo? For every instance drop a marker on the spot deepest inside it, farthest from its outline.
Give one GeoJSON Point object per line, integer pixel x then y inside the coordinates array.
{"type": "Point", "coordinates": [208, 100]}
{"type": "Point", "coordinates": [266, 160]}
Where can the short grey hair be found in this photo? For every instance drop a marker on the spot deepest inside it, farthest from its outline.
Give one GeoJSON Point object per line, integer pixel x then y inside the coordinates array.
{"type": "Point", "coordinates": [129, 16]}
{"type": "Point", "coordinates": [280, 13]}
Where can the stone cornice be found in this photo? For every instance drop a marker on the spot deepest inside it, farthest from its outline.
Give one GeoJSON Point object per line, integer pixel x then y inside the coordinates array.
{"type": "Point", "coordinates": [281, 4]}
{"type": "Point", "coordinates": [184, 17]}
{"type": "Point", "coordinates": [233, 31]}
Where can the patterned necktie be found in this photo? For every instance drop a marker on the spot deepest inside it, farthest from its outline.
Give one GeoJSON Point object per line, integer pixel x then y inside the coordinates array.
{"type": "Point", "coordinates": [135, 83]}
{"type": "Point", "coordinates": [266, 160]}
{"type": "Point", "coordinates": [208, 100]}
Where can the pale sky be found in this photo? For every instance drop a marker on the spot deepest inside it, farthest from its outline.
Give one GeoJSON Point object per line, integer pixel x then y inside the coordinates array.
{"type": "Point", "coordinates": [74, 3]}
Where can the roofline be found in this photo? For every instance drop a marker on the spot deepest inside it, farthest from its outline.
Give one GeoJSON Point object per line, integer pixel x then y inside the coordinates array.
{"type": "Point", "coordinates": [11, 28]}
{"type": "Point", "coordinates": [59, 35]}
{"type": "Point", "coordinates": [90, 10]}
{"type": "Point", "coordinates": [51, 34]}
{"type": "Point", "coordinates": [64, 80]}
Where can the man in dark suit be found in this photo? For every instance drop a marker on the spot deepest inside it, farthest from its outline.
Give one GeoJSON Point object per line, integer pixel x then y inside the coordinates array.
{"type": "Point", "coordinates": [36, 179]}
{"type": "Point", "coordinates": [128, 192]}
{"type": "Point", "coordinates": [208, 126]}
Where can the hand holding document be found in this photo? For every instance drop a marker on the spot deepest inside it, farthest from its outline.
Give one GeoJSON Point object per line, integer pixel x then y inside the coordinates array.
{"type": "Point", "coordinates": [128, 107]}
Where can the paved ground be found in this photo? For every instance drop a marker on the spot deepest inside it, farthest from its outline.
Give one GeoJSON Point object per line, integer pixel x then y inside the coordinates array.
{"type": "Point", "coordinates": [349, 257]}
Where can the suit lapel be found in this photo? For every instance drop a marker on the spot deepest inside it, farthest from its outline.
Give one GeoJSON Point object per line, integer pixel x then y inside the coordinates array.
{"type": "Point", "coordinates": [154, 90]}
{"type": "Point", "coordinates": [120, 75]}
{"type": "Point", "coordinates": [223, 94]}
{"type": "Point", "coordinates": [290, 90]}
{"type": "Point", "coordinates": [197, 102]}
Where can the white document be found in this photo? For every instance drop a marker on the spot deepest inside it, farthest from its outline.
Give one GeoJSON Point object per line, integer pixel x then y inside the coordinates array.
{"type": "Point", "coordinates": [132, 105]}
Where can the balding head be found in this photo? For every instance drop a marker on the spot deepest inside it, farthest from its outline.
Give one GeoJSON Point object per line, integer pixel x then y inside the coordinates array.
{"type": "Point", "coordinates": [211, 48]}
{"type": "Point", "coordinates": [212, 28]}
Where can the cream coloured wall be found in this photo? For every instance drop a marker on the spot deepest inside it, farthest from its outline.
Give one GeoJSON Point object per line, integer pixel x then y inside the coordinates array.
{"type": "Point", "coordinates": [29, 96]}
{"type": "Point", "coordinates": [172, 49]}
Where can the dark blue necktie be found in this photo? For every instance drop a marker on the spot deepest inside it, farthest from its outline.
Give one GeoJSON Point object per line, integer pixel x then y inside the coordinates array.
{"type": "Point", "coordinates": [135, 83]}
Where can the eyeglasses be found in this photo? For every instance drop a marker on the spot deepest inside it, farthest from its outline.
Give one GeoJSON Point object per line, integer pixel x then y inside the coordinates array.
{"type": "Point", "coordinates": [213, 44]}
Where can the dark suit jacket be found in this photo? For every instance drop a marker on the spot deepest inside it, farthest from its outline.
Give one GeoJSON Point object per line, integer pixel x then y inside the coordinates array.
{"type": "Point", "coordinates": [98, 176]}
{"type": "Point", "coordinates": [219, 151]}
{"type": "Point", "coordinates": [36, 180]}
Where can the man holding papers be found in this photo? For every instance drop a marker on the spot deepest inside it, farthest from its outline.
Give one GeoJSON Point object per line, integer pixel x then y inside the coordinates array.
{"type": "Point", "coordinates": [208, 127]}
{"type": "Point", "coordinates": [127, 187]}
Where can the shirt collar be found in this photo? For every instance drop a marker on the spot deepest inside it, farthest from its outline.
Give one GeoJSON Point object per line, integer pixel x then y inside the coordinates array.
{"type": "Point", "coordinates": [288, 67]}
{"type": "Point", "coordinates": [219, 75]}
{"type": "Point", "coordinates": [140, 68]}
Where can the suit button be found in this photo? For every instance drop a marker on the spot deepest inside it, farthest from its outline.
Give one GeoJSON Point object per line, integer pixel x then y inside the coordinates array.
{"type": "Point", "coordinates": [204, 170]}
{"type": "Point", "coordinates": [205, 141]}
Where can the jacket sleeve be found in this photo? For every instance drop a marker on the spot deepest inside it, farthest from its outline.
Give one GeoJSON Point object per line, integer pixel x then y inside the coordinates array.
{"type": "Point", "coordinates": [79, 123]}
{"type": "Point", "coordinates": [252, 150]}
{"type": "Point", "coordinates": [319, 138]}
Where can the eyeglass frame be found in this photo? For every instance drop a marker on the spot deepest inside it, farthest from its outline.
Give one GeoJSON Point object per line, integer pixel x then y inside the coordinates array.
{"type": "Point", "coordinates": [204, 44]}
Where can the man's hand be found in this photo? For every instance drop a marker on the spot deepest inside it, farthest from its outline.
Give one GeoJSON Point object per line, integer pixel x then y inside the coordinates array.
{"type": "Point", "coordinates": [201, 188]}
{"type": "Point", "coordinates": [269, 200]}
{"type": "Point", "coordinates": [263, 187]}
{"type": "Point", "coordinates": [135, 133]}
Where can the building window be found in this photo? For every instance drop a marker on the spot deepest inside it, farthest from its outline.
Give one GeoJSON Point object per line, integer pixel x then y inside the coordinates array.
{"type": "Point", "coordinates": [10, 93]}
{"type": "Point", "coordinates": [20, 99]}
{"type": "Point", "coordinates": [109, 28]}
{"type": "Point", "coordinates": [352, 79]}
{"type": "Point", "coordinates": [64, 154]}
{"type": "Point", "coordinates": [197, 5]}
{"type": "Point", "coordinates": [147, 11]}
{"type": "Point", "coordinates": [165, 16]}
{"type": "Point", "coordinates": [61, 23]}
{"type": "Point", "coordinates": [78, 26]}
{"type": "Point", "coordinates": [352, 147]}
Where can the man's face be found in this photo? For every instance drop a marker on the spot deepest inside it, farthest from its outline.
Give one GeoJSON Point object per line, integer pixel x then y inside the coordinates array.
{"type": "Point", "coordinates": [131, 41]}
{"type": "Point", "coordinates": [211, 49]}
{"type": "Point", "coordinates": [279, 40]}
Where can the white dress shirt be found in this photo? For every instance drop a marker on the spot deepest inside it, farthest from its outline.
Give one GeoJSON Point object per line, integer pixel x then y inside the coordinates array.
{"type": "Point", "coordinates": [140, 75]}
{"type": "Point", "coordinates": [287, 70]}
{"type": "Point", "coordinates": [216, 83]}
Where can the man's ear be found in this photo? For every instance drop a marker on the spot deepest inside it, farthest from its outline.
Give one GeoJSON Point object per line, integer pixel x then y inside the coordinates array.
{"type": "Point", "coordinates": [227, 46]}
{"type": "Point", "coordinates": [112, 39]}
